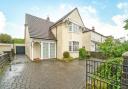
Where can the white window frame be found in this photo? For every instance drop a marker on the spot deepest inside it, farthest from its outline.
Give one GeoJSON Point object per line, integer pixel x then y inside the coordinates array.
{"type": "Point", "coordinates": [73, 27]}
{"type": "Point", "coordinates": [49, 42]}
{"type": "Point", "coordinates": [73, 46]}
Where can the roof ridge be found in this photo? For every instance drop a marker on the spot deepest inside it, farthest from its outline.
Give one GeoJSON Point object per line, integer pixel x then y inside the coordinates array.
{"type": "Point", "coordinates": [26, 14]}
{"type": "Point", "coordinates": [88, 30]}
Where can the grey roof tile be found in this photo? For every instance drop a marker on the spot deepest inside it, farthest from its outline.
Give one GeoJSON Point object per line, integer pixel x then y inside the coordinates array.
{"type": "Point", "coordinates": [39, 28]}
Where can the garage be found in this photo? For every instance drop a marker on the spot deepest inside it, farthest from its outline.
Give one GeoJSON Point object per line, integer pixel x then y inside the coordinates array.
{"type": "Point", "coordinates": [20, 49]}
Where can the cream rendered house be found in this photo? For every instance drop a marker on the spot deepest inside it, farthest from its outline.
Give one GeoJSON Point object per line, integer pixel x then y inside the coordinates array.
{"type": "Point", "coordinates": [45, 39]}
{"type": "Point", "coordinates": [91, 39]}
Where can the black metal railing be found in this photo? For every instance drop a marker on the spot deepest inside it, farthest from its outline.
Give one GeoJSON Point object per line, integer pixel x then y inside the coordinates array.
{"type": "Point", "coordinates": [103, 75]}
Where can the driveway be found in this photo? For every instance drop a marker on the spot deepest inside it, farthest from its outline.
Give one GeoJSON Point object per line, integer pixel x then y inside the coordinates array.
{"type": "Point", "coordinates": [48, 74]}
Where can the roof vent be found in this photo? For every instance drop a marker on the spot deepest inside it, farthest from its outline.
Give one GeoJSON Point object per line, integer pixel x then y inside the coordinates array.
{"type": "Point", "coordinates": [93, 28]}
{"type": "Point", "coordinates": [48, 19]}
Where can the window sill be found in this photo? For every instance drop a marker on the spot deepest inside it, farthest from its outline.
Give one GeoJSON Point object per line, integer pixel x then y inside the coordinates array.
{"type": "Point", "coordinates": [74, 51]}
{"type": "Point", "coordinates": [74, 32]}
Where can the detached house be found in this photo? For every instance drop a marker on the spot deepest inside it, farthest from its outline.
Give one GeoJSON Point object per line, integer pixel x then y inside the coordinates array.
{"type": "Point", "coordinates": [45, 39]}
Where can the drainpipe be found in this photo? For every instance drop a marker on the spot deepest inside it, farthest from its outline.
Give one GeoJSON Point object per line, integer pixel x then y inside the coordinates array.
{"type": "Point", "coordinates": [56, 42]}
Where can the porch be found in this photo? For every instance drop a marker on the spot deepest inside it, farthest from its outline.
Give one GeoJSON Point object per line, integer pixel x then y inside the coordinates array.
{"type": "Point", "coordinates": [43, 50]}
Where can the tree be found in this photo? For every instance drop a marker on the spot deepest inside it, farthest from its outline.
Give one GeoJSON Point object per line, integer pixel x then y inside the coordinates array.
{"type": "Point", "coordinates": [126, 24]}
{"type": "Point", "coordinates": [113, 48]}
{"type": "Point", "coordinates": [18, 40]}
{"type": "Point", "coordinates": [5, 38]}
{"type": "Point", "coordinates": [107, 47]}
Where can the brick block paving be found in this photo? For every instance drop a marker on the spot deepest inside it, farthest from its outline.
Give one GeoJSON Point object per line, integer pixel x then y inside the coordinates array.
{"type": "Point", "coordinates": [47, 74]}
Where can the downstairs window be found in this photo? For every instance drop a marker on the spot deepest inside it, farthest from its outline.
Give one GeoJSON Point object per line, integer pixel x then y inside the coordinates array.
{"type": "Point", "coordinates": [73, 46]}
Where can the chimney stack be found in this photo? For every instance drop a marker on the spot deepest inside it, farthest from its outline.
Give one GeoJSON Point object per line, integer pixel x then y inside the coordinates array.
{"type": "Point", "coordinates": [93, 28]}
{"type": "Point", "coordinates": [48, 19]}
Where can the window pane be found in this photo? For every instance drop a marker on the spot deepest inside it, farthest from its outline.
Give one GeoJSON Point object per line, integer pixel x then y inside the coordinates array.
{"type": "Point", "coordinates": [70, 46]}
{"type": "Point", "coordinates": [70, 27]}
{"type": "Point", "coordinates": [73, 46]}
{"type": "Point", "coordinates": [45, 50]}
{"type": "Point", "coordinates": [52, 50]}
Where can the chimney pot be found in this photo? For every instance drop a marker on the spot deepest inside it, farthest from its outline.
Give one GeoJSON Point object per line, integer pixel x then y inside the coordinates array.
{"type": "Point", "coordinates": [48, 19]}
{"type": "Point", "coordinates": [93, 28]}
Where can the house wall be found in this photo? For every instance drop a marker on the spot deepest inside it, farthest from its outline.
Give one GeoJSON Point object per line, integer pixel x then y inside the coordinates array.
{"type": "Point", "coordinates": [58, 29]}
{"type": "Point", "coordinates": [36, 50]}
{"type": "Point", "coordinates": [90, 40]}
{"type": "Point", "coordinates": [70, 36]}
{"type": "Point", "coordinates": [87, 40]}
{"type": "Point", "coordinates": [64, 36]}
{"type": "Point", "coordinates": [75, 17]}
{"type": "Point", "coordinates": [27, 43]}
{"type": "Point", "coordinates": [96, 38]}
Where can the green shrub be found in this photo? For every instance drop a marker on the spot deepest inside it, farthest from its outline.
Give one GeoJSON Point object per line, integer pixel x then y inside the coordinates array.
{"type": "Point", "coordinates": [66, 54]}
{"type": "Point", "coordinates": [113, 48]}
{"type": "Point", "coordinates": [110, 71]}
{"type": "Point", "coordinates": [82, 53]}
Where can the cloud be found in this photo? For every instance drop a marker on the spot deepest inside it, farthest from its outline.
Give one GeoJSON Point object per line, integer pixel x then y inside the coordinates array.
{"type": "Point", "coordinates": [122, 5]}
{"type": "Point", "coordinates": [11, 28]}
{"type": "Point", "coordinates": [90, 17]}
{"type": "Point", "coordinates": [15, 30]}
{"type": "Point", "coordinates": [2, 21]}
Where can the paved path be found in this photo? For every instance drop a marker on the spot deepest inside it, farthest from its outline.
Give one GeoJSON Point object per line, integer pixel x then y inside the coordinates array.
{"type": "Point", "coordinates": [47, 74]}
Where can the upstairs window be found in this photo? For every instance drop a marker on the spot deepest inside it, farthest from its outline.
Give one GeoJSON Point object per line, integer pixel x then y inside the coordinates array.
{"type": "Point", "coordinates": [70, 27]}
{"type": "Point", "coordinates": [73, 27]}
{"type": "Point", "coordinates": [73, 46]}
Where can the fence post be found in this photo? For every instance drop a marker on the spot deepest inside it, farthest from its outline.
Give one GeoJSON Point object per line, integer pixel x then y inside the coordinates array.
{"type": "Point", "coordinates": [124, 77]}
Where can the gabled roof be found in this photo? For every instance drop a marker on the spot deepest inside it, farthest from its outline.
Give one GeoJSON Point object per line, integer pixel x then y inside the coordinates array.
{"type": "Point", "coordinates": [61, 19]}
{"type": "Point", "coordinates": [38, 27]}
{"type": "Point", "coordinates": [90, 30]}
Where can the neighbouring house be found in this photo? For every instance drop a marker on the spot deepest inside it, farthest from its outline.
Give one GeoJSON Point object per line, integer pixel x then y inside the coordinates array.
{"type": "Point", "coordinates": [5, 47]}
{"type": "Point", "coordinates": [122, 39]}
{"type": "Point", "coordinates": [45, 39]}
{"type": "Point", "coordinates": [91, 39]}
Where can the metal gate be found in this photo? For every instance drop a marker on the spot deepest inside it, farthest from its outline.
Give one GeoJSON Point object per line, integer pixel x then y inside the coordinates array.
{"type": "Point", "coordinates": [103, 75]}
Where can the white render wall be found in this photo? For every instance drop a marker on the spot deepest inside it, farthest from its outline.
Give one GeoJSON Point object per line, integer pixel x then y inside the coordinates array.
{"type": "Point", "coordinates": [5, 47]}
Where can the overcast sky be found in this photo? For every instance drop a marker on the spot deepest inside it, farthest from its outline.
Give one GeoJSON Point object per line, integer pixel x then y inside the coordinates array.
{"type": "Point", "coordinates": [106, 16]}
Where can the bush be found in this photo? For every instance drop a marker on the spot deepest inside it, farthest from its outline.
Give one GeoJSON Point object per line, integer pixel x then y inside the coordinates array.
{"type": "Point", "coordinates": [82, 53]}
{"type": "Point", "coordinates": [66, 54]}
{"type": "Point", "coordinates": [111, 69]}
{"type": "Point", "coordinates": [113, 48]}
{"type": "Point", "coordinates": [67, 57]}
